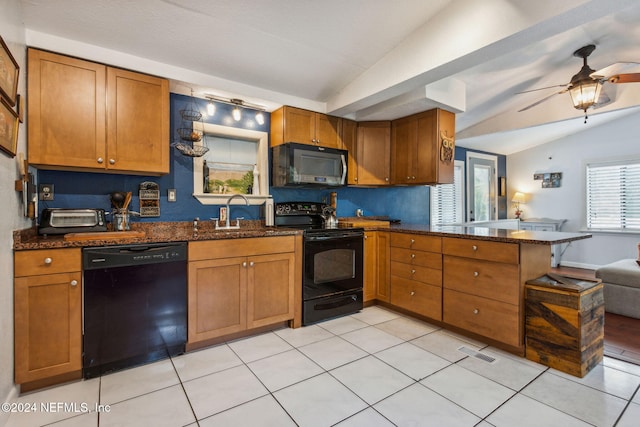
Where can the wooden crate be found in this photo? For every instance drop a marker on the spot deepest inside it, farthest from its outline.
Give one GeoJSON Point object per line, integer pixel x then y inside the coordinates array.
{"type": "Point", "coordinates": [564, 322]}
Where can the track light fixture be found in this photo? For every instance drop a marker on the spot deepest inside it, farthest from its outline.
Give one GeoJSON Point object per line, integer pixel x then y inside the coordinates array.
{"type": "Point", "coordinates": [239, 105]}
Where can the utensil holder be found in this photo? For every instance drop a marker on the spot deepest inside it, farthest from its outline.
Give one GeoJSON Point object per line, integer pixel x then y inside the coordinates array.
{"type": "Point", "coordinates": [121, 220]}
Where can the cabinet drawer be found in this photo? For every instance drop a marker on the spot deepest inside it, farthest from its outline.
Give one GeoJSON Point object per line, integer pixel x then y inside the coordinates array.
{"type": "Point", "coordinates": [489, 279]}
{"type": "Point", "coordinates": [416, 272]}
{"type": "Point", "coordinates": [414, 257]}
{"type": "Point", "coordinates": [417, 242]}
{"type": "Point", "coordinates": [417, 297]}
{"type": "Point", "coordinates": [47, 261]}
{"type": "Point", "coordinates": [481, 249]}
{"type": "Point", "coordinates": [228, 248]}
{"type": "Point", "coordinates": [486, 317]}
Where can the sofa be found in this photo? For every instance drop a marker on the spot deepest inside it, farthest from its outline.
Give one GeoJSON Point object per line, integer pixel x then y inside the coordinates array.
{"type": "Point", "coordinates": [621, 280]}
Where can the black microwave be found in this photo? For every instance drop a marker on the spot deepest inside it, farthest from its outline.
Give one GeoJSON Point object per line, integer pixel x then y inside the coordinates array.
{"type": "Point", "coordinates": [308, 166]}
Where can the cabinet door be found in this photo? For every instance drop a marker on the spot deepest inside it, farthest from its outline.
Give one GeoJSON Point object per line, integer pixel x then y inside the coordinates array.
{"type": "Point", "coordinates": [403, 147]}
{"type": "Point", "coordinates": [426, 149]}
{"type": "Point", "coordinates": [383, 286]}
{"type": "Point", "coordinates": [299, 126]}
{"type": "Point", "coordinates": [370, 272]}
{"type": "Point", "coordinates": [349, 141]}
{"type": "Point", "coordinates": [66, 113]}
{"type": "Point", "coordinates": [48, 326]}
{"type": "Point", "coordinates": [374, 153]}
{"type": "Point", "coordinates": [328, 131]}
{"type": "Point", "coordinates": [217, 295]}
{"type": "Point", "coordinates": [270, 289]}
{"type": "Point", "coordinates": [137, 123]}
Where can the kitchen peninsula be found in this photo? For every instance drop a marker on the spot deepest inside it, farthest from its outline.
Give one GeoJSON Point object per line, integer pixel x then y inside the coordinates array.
{"type": "Point", "coordinates": [470, 278]}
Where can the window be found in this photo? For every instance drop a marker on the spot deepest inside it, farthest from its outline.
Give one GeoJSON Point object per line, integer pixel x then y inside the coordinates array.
{"type": "Point", "coordinates": [613, 196]}
{"type": "Point", "coordinates": [447, 200]}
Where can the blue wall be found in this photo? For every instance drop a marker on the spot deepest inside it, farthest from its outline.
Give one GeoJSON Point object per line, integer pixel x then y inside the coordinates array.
{"type": "Point", "coordinates": [88, 189]}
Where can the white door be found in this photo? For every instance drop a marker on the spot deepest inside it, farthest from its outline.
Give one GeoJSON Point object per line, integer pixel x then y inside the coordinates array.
{"type": "Point", "coordinates": [482, 197]}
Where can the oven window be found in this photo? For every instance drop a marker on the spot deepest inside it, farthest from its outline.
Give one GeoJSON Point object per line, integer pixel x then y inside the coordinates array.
{"type": "Point", "coordinates": [333, 265]}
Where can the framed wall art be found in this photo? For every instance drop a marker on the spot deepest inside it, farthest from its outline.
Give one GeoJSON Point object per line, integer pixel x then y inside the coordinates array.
{"type": "Point", "coordinates": [8, 128]}
{"type": "Point", "coordinates": [9, 70]}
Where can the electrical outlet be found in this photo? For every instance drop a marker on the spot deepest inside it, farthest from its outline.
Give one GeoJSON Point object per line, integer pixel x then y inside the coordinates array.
{"type": "Point", "coordinates": [171, 195]}
{"type": "Point", "coordinates": [45, 192]}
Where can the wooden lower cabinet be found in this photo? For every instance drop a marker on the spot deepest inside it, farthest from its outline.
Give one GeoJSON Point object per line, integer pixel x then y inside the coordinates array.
{"type": "Point", "coordinates": [229, 294]}
{"type": "Point", "coordinates": [370, 266]}
{"type": "Point", "coordinates": [416, 274]}
{"type": "Point", "coordinates": [383, 286]}
{"type": "Point", "coordinates": [47, 314]}
{"type": "Point", "coordinates": [483, 285]}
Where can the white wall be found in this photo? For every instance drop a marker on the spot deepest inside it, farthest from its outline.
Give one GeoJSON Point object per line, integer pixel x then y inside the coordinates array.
{"type": "Point", "coordinates": [13, 33]}
{"type": "Point", "coordinates": [618, 139]}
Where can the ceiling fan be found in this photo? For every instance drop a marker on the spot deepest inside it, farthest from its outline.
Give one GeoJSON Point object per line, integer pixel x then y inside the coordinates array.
{"type": "Point", "coordinates": [585, 87]}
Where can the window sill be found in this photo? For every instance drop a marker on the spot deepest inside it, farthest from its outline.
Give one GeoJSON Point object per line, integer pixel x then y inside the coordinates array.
{"type": "Point", "coordinates": [614, 232]}
{"type": "Point", "coordinates": [221, 199]}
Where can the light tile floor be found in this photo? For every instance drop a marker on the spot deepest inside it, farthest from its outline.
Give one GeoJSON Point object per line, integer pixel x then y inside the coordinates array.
{"type": "Point", "coordinates": [373, 368]}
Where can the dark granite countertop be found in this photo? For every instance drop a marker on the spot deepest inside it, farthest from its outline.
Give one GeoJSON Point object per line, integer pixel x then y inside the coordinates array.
{"type": "Point", "coordinates": [494, 234]}
{"type": "Point", "coordinates": [183, 231]}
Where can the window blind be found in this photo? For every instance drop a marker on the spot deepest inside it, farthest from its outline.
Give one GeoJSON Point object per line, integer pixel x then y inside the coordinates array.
{"type": "Point", "coordinates": [447, 206]}
{"type": "Point", "coordinates": [613, 196]}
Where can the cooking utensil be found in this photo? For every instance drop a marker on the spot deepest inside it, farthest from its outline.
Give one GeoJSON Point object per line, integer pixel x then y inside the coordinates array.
{"type": "Point", "coordinates": [117, 199]}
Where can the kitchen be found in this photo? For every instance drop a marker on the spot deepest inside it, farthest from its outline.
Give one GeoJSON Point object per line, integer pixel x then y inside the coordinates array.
{"type": "Point", "coordinates": [359, 198]}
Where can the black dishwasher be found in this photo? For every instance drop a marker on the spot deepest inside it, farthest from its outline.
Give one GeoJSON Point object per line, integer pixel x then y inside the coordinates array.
{"type": "Point", "coordinates": [135, 305]}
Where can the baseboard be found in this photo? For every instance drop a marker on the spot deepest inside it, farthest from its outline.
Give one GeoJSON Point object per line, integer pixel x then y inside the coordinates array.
{"type": "Point", "coordinates": [579, 265]}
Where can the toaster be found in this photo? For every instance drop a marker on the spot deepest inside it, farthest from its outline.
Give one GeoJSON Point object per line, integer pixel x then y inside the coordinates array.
{"type": "Point", "coordinates": [63, 221]}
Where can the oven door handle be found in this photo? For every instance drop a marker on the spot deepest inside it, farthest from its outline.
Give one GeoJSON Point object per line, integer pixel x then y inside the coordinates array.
{"type": "Point", "coordinates": [333, 236]}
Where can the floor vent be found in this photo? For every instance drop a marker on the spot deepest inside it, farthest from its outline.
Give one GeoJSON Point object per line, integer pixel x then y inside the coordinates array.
{"type": "Point", "coordinates": [473, 353]}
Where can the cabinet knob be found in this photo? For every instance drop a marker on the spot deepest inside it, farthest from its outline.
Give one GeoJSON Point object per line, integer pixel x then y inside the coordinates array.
{"type": "Point", "coordinates": [355, 179]}
{"type": "Point", "coordinates": [412, 241]}
{"type": "Point", "coordinates": [476, 311]}
{"type": "Point", "coordinates": [413, 293]}
{"type": "Point", "coordinates": [251, 264]}
{"type": "Point", "coordinates": [408, 178]}
{"type": "Point", "coordinates": [74, 283]}
{"type": "Point", "coordinates": [413, 272]}
{"type": "Point", "coordinates": [112, 161]}
{"type": "Point", "coordinates": [475, 274]}
{"type": "Point", "coordinates": [244, 264]}
{"type": "Point", "coordinates": [366, 237]}
{"type": "Point", "coordinates": [413, 256]}
{"type": "Point", "coordinates": [413, 177]}
{"type": "Point", "coordinates": [100, 160]}
{"type": "Point", "coordinates": [474, 247]}
{"type": "Point", "coordinates": [48, 260]}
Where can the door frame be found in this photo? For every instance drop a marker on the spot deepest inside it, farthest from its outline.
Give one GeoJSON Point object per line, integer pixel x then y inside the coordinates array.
{"type": "Point", "coordinates": [494, 180]}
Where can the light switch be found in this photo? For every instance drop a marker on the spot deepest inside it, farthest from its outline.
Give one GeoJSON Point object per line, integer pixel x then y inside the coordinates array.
{"type": "Point", "coordinates": [171, 195]}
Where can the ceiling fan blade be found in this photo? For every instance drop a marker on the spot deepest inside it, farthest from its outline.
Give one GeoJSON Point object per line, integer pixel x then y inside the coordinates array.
{"type": "Point", "coordinates": [542, 100]}
{"type": "Point", "coordinates": [614, 69]}
{"type": "Point", "coordinates": [625, 78]}
{"type": "Point", "coordinates": [541, 88]}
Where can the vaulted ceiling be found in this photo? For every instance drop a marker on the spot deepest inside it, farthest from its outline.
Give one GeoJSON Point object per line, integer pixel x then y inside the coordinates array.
{"type": "Point", "coordinates": [368, 59]}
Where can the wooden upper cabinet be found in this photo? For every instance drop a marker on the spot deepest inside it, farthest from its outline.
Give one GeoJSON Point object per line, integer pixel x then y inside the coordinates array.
{"type": "Point", "coordinates": [373, 153]}
{"type": "Point", "coordinates": [90, 117]}
{"type": "Point", "coordinates": [422, 148]}
{"type": "Point", "coordinates": [66, 111]}
{"type": "Point", "coordinates": [137, 122]}
{"type": "Point", "coordinates": [290, 124]}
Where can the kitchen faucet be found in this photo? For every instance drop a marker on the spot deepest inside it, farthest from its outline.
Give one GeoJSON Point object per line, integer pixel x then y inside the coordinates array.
{"type": "Point", "coordinates": [228, 225]}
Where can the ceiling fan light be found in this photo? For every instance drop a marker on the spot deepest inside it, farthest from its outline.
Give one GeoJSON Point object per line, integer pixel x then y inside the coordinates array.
{"type": "Point", "coordinates": [585, 94]}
